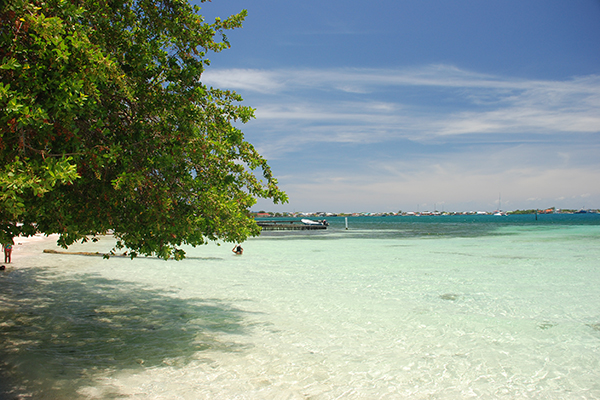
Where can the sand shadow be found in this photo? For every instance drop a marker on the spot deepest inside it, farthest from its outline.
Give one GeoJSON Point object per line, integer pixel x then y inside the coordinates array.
{"type": "Point", "coordinates": [56, 335]}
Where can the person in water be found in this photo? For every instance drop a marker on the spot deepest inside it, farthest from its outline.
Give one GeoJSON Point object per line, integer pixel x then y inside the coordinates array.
{"type": "Point", "coordinates": [7, 252]}
{"type": "Point", "coordinates": [238, 250]}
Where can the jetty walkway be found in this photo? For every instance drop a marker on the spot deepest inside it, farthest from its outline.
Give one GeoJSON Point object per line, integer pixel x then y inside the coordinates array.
{"type": "Point", "coordinates": [289, 225]}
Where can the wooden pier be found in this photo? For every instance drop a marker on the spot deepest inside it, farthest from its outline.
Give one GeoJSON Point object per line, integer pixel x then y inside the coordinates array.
{"type": "Point", "coordinates": [290, 225]}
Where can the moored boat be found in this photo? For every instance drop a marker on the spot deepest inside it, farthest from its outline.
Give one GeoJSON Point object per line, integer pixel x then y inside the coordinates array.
{"type": "Point", "coordinates": [292, 225]}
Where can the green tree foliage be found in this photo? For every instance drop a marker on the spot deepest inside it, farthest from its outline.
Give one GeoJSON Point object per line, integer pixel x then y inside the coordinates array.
{"type": "Point", "coordinates": [105, 125]}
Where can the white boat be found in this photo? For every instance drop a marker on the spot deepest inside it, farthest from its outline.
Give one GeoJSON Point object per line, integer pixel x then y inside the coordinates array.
{"type": "Point", "coordinates": [499, 212]}
{"type": "Point", "coordinates": [311, 222]}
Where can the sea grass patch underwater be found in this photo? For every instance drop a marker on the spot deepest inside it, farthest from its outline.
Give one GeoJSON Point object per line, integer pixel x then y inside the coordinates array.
{"type": "Point", "coordinates": [510, 312]}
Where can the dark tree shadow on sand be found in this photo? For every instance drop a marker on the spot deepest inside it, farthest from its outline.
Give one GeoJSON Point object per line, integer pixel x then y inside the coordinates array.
{"type": "Point", "coordinates": [56, 335]}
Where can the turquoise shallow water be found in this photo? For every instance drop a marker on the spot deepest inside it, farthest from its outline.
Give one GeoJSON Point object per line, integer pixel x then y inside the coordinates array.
{"type": "Point", "coordinates": [419, 308]}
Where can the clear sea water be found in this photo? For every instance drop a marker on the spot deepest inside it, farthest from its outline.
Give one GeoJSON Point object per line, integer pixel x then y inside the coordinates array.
{"type": "Point", "coordinates": [392, 308]}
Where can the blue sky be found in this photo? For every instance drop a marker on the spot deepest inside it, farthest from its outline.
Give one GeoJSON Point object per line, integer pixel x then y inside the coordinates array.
{"type": "Point", "coordinates": [420, 104]}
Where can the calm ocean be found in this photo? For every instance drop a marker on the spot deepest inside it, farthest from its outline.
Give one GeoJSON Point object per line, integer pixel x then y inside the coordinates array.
{"type": "Point", "coordinates": [445, 307]}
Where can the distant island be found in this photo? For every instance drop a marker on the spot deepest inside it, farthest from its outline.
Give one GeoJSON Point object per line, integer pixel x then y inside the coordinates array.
{"type": "Point", "coordinates": [551, 210]}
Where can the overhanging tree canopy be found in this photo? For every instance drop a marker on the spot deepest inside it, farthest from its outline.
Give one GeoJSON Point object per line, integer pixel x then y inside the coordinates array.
{"type": "Point", "coordinates": [106, 126]}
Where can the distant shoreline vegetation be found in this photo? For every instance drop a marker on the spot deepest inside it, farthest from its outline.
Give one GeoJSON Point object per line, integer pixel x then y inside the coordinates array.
{"type": "Point", "coordinates": [552, 210]}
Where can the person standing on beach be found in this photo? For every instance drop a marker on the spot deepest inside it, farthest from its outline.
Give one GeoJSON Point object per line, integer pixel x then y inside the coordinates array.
{"type": "Point", "coordinates": [7, 251]}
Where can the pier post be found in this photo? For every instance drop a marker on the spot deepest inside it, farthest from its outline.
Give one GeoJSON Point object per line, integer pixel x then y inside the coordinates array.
{"type": "Point", "coordinates": [346, 223]}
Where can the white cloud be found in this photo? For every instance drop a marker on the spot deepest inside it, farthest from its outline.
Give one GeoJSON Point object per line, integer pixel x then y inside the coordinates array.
{"type": "Point", "coordinates": [519, 189]}
{"type": "Point", "coordinates": [525, 175]}
{"type": "Point", "coordinates": [243, 79]}
{"type": "Point", "coordinates": [474, 135]}
{"type": "Point", "coordinates": [367, 80]}
{"type": "Point", "coordinates": [439, 103]}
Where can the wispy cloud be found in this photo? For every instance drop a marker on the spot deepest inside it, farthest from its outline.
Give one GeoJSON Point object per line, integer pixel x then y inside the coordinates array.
{"type": "Point", "coordinates": [430, 134]}
{"type": "Point", "coordinates": [369, 79]}
{"type": "Point", "coordinates": [526, 176]}
{"type": "Point", "coordinates": [245, 79]}
{"type": "Point", "coordinates": [434, 102]}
